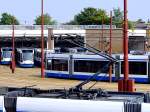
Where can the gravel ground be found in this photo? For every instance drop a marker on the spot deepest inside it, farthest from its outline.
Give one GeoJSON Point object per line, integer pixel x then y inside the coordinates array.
{"type": "Point", "coordinates": [31, 76]}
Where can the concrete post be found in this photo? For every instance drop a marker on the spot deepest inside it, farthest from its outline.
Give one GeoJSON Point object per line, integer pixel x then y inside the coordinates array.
{"type": "Point", "coordinates": [117, 68]}
{"type": "Point", "coordinates": [71, 65]}
{"type": "Point", "coordinates": [50, 39]}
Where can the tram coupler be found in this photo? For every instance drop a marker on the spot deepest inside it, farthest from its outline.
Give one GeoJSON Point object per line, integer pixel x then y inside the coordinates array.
{"type": "Point", "coordinates": [126, 85]}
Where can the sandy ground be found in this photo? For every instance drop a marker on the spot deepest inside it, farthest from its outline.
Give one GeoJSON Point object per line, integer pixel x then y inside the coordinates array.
{"type": "Point", "coordinates": [31, 76]}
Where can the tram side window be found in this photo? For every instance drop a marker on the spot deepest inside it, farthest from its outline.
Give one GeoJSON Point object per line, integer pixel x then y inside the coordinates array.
{"type": "Point", "coordinates": [17, 56]}
{"type": "Point", "coordinates": [48, 65]}
{"type": "Point", "coordinates": [136, 68]}
{"type": "Point", "coordinates": [58, 65]}
{"type": "Point", "coordinates": [89, 66]}
{"type": "Point", "coordinates": [38, 54]}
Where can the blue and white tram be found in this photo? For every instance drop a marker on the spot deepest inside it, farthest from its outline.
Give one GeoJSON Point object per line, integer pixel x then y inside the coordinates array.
{"type": "Point", "coordinates": [25, 57]}
{"type": "Point", "coordinates": [138, 67]}
{"type": "Point", "coordinates": [82, 66]}
{"type": "Point", "coordinates": [37, 55]}
{"type": "Point", "coordinates": [76, 66]}
{"type": "Point", "coordinates": [5, 55]}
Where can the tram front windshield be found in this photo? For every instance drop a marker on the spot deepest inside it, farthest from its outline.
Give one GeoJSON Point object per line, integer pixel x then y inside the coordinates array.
{"type": "Point", "coordinates": [6, 53]}
{"type": "Point", "coordinates": [27, 55]}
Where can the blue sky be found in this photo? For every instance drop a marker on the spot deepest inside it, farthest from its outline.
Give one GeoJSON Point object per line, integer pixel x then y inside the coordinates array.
{"type": "Point", "coordinates": [64, 10]}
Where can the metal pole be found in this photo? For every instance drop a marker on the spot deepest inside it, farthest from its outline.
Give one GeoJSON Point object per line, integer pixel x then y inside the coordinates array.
{"type": "Point", "coordinates": [13, 49]}
{"type": "Point", "coordinates": [126, 64]}
{"type": "Point", "coordinates": [42, 39]}
{"type": "Point", "coordinates": [144, 45]}
{"type": "Point", "coordinates": [0, 48]}
{"type": "Point", "coordinates": [126, 85]}
{"type": "Point", "coordinates": [110, 47]}
{"type": "Point", "coordinates": [102, 40]}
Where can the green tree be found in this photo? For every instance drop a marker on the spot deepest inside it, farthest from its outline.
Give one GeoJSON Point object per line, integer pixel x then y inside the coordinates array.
{"type": "Point", "coordinates": [118, 19]}
{"type": "Point", "coordinates": [140, 21]}
{"type": "Point", "coordinates": [47, 20]}
{"type": "Point", "coordinates": [131, 24]}
{"type": "Point", "coordinates": [72, 22]}
{"type": "Point", "coordinates": [90, 16]}
{"type": "Point", "coordinates": [8, 19]}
